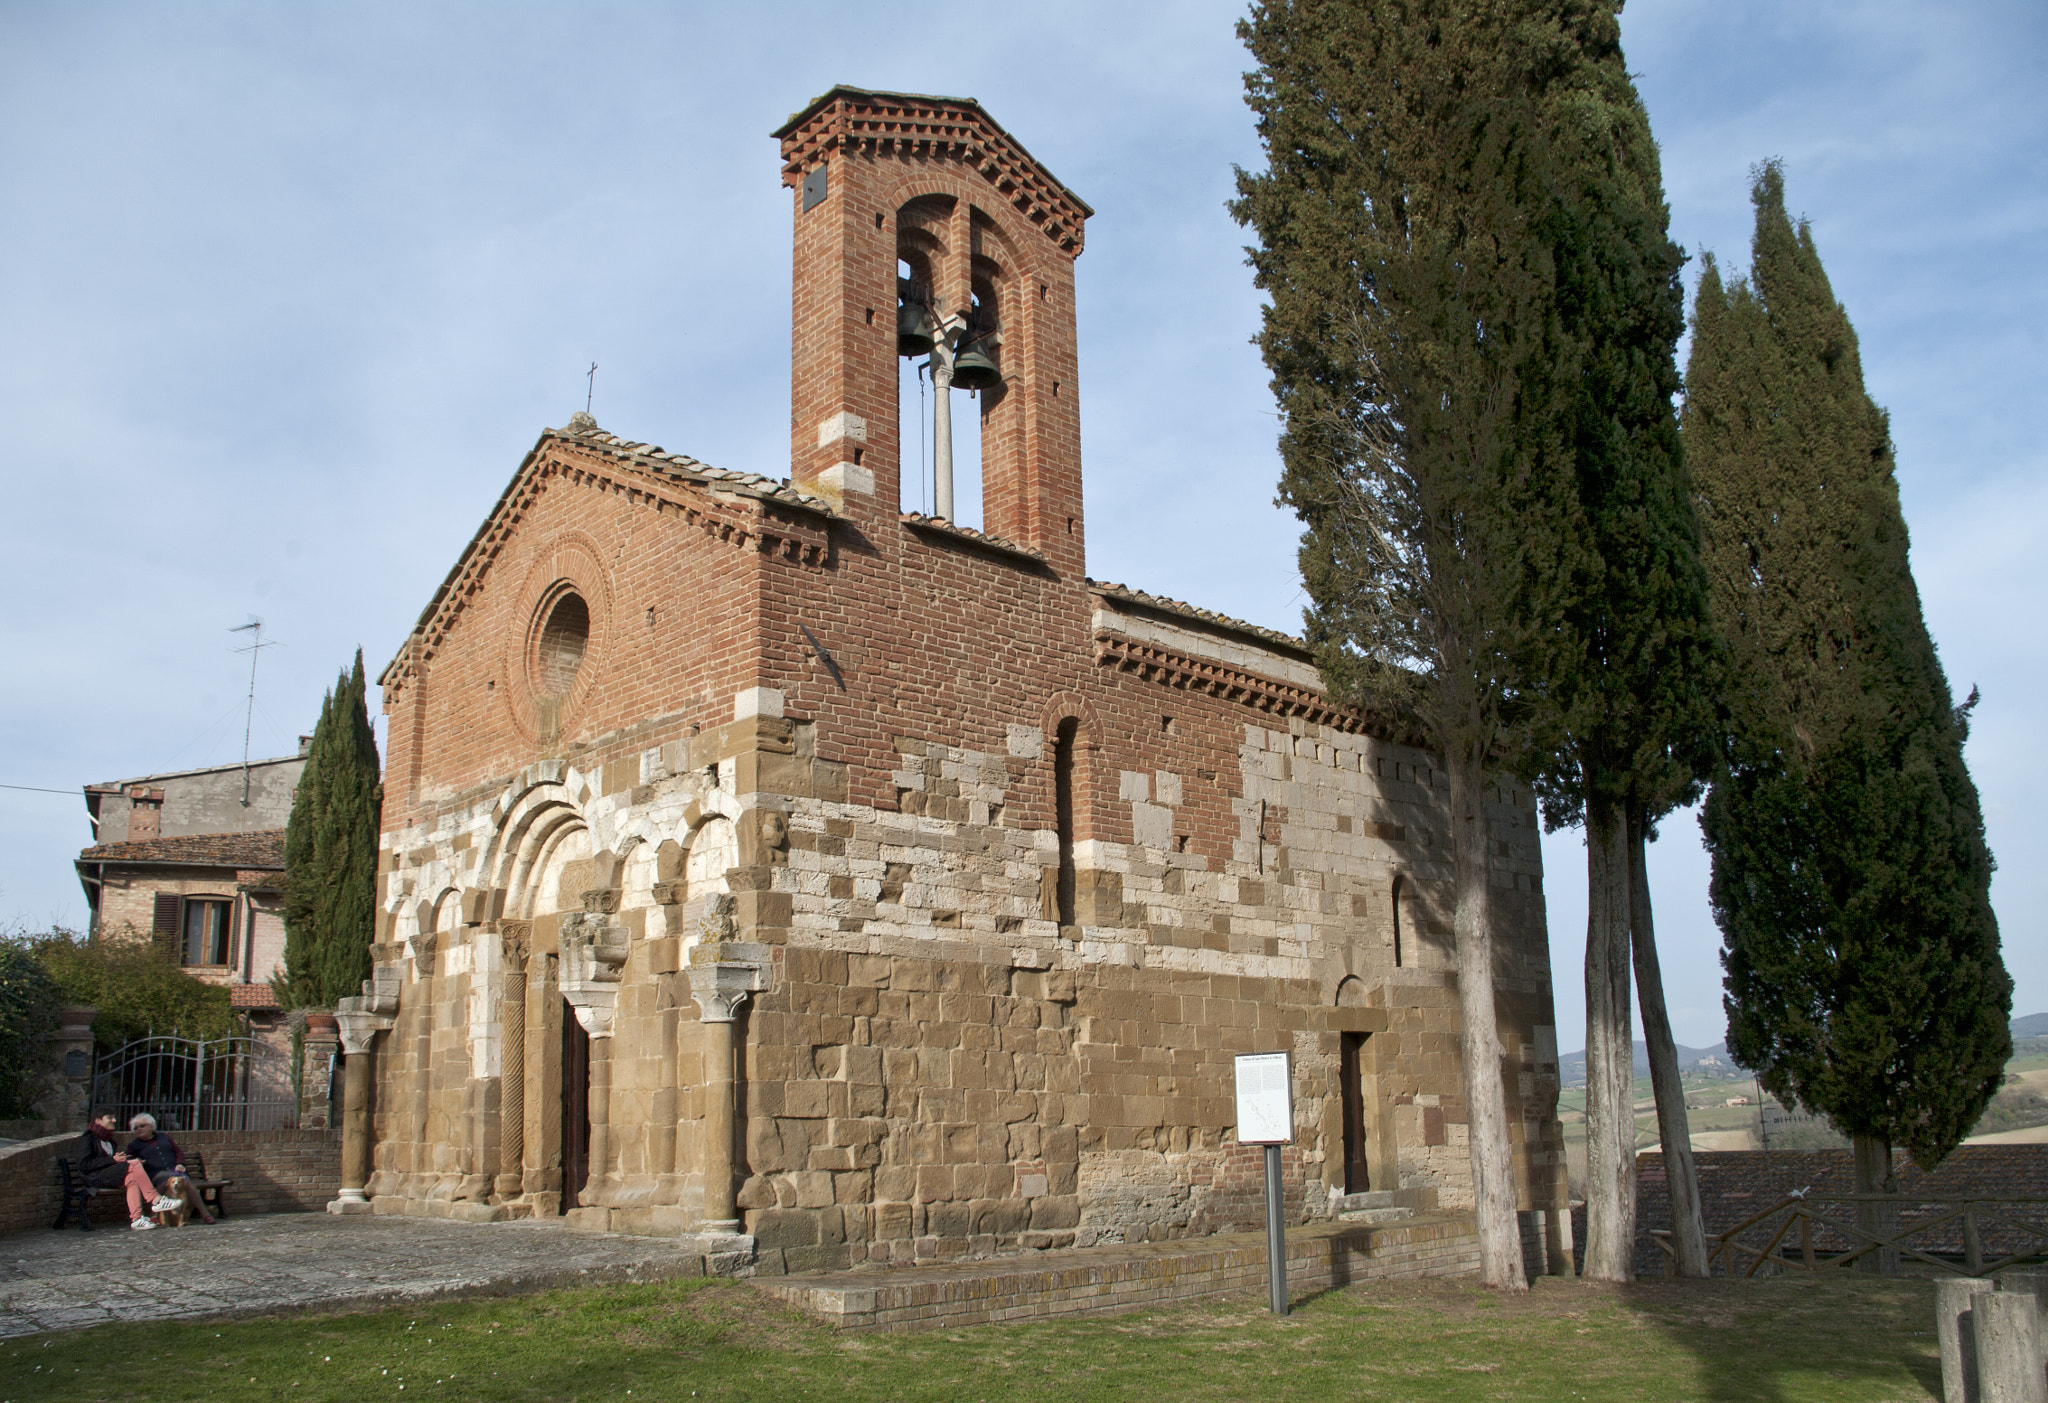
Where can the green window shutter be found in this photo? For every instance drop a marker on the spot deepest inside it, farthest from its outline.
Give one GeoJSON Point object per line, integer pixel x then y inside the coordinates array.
{"type": "Point", "coordinates": [167, 922]}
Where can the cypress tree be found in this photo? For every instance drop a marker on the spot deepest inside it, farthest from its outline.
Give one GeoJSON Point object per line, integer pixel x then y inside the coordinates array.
{"type": "Point", "coordinates": [1851, 878]}
{"type": "Point", "coordinates": [1635, 677]}
{"type": "Point", "coordinates": [330, 854]}
{"type": "Point", "coordinates": [1405, 224]}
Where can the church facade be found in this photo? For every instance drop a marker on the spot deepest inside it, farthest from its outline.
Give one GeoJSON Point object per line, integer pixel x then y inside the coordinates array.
{"type": "Point", "coordinates": [829, 884]}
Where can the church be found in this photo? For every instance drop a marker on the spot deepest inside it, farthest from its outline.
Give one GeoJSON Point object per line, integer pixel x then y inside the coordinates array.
{"type": "Point", "coordinates": [828, 884]}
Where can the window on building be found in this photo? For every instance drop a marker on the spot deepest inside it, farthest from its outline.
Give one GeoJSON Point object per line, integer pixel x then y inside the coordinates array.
{"type": "Point", "coordinates": [207, 928]}
{"type": "Point", "coordinates": [1063, 812]}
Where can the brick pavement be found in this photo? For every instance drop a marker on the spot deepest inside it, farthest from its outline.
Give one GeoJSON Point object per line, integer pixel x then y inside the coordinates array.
{"type": "Point", "coordinates": [69, 1280]}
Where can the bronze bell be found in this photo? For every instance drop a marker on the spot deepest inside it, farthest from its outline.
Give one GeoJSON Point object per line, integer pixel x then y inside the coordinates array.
{"type": "Point", "coordinates": [913, 329]}
{"type": "Point", "coordinates": [974, 371]}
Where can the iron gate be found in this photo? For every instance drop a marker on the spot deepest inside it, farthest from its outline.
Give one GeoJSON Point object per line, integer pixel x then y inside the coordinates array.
{"type": "Point", "coordinates": [191, 1084]}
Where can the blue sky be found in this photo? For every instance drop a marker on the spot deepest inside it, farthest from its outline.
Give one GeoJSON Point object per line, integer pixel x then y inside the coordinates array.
{"type": "Point", "coordinates": [287, 291]}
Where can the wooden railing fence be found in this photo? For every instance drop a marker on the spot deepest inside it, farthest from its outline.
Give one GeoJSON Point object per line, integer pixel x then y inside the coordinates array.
{"type": "Point", "coordinates": [1950, 1240]}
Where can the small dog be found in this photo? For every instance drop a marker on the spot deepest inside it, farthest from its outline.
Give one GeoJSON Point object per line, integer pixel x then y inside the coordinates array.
{"type": "Point", "coordinates": [177, 1189]}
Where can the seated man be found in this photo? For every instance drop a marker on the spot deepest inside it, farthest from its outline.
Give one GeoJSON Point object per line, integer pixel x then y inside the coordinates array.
{"type": "Point", "coordinates": [165, 1162]}
{"type": "Point", "coordinates": [103, 1168]}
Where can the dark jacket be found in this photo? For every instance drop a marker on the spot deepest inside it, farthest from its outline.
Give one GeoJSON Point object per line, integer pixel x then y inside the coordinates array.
{"type": "Point", "coordinates": [94, 1165]}
{"type": "Point", "coordinates": [160, 1156]}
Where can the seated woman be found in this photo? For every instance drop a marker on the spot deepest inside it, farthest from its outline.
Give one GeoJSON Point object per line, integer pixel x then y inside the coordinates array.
{"type": "Point", "coordinates": [101, 1166]}
{"type": "Point", "coordinates": [165, 1162]}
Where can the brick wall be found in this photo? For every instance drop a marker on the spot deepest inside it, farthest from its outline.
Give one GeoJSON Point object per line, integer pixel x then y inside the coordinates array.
{"type": "Point", "coordinates": [29, 1195]}
{"type": "Point", "coordinates": [275, 1171]}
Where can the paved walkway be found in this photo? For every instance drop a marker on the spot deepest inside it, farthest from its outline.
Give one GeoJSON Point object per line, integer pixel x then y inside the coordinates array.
{"type": "Point", "coordinates": [67, 1280]}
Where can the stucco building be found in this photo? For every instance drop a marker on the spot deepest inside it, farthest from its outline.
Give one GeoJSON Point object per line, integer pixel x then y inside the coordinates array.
{"type": "Point", "coordinates": [839, 884]}
{"type": "Point", "coordinates": [194, 860]}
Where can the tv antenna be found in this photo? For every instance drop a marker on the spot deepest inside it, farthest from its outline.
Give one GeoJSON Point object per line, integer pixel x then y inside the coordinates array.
{"type": "Point", "coordinates": [590, 391]}
{"type": "Point", "coordinates": [255, 650]}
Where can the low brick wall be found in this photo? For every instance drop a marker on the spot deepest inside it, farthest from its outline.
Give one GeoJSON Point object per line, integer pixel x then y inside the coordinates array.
{"type": "Point", "coordinates": [29, 1194]}
{"type": "Point", "coordinates": [275, 1171]}
{"type": "Point", "coordinates": [1735, 1184]}
{"type": "Point", "coordinates": [1089, 1281]}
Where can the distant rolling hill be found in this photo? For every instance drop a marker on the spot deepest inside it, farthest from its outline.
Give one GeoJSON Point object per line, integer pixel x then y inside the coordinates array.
{"type": "Point", "coordinates": [1572, 1066]}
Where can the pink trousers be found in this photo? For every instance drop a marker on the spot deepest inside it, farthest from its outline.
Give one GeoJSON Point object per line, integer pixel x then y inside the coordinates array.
{"type": "Point", "coordinates": [140, 1190]}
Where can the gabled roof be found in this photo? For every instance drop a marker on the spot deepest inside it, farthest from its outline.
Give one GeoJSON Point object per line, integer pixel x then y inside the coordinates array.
{"type": "Point", "coordinates": [657, 464]}
{"type": "Point", "coordinates": [259, 851]}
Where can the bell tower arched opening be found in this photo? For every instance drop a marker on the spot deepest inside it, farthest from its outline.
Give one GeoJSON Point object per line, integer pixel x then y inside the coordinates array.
{"type": "Point", "coordinates": [904, 202]}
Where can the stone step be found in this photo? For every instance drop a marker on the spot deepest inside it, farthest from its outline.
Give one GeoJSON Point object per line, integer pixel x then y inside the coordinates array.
{"type": "Point", "coordinates": [1375, 1215]}
{"type": "Point", "coordinates": [1092, 1280]}
{"type": "Point", "coordinates": [1413, 1200]}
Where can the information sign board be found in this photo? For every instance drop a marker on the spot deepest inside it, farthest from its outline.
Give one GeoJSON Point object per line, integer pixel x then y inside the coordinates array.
{"type": "Point", "coordinates": [1265, 1098]}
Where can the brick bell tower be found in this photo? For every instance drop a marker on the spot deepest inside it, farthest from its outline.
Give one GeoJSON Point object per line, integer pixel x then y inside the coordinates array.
{"type": "Point", "coordinates": [986, 238]}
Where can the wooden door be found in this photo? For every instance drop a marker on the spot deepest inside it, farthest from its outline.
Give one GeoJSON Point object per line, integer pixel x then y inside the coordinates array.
{"type": "Point", "coordinates": [1351, 1091]}
{"type": "Point", "coordinates": [575, 1108]}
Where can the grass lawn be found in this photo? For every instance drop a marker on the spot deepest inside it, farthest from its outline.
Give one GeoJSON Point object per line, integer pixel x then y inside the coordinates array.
{"type": "Point", "coordinates": [1860, 1339]}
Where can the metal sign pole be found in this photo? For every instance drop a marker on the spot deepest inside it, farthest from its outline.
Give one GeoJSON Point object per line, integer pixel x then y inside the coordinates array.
{"type": "Point", "coordinates": [1276, 1235]}
{"type": "Point", "coordinates": [1265, 1116]}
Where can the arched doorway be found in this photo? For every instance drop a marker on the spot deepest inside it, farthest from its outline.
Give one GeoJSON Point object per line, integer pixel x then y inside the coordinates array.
{"type": "Point", "coordinates": [575, 1108]}
{"type": "Point", "coordinates": [1351, 1090]}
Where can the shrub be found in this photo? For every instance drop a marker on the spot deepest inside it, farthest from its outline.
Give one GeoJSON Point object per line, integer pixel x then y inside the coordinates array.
{"type": "Point", "coordinates": [29, 1002]}
{"type": "Point", "coordinates": [136, 986]}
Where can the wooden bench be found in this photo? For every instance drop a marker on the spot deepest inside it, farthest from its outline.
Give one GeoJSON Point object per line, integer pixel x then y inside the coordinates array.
{"type": "Point", "coordinates": [78, 1197]}
{"type": "Point", "coordinates": [207, 1189]}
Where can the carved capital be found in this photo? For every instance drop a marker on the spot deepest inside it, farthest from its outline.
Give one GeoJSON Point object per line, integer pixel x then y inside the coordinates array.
{"type": "Point", "coordinates": [423, 947]}
{"type": "Point", "coordinates": [595, 1005]}
{"type": "Point", "coordinates": [359, 1019]}
{"type": "Point", "coordinates": [670, 893]}
{"type": "Point", "coordinates": [724, 973]}
{"type": "Point", "coordinates": [592, 952]}
{"type": "Point", "coordinates": [593, 949]}
{"type": "Point", "coordinates": [516, 938]}
{"type": "Point", "coordinates": [601, 900]}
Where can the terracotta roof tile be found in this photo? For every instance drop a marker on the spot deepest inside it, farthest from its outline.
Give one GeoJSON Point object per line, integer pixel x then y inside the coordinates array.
{"type": "Point", "coordinates": [251, 996]}
{"type": "Point", "coordinates": [682, 467]}
{"type": "Point", "coordinates": [244, 851]}
{"type": "Point", "coordinates": [1164, 605]}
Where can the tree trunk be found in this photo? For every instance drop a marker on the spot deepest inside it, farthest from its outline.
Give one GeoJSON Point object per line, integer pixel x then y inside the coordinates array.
{"type": "Point", "coordinates": [1493, 1170]}
{"type": "Point", "coordinates": [1610, 1055]}
{"type": "Point", "coordinates": [1688, 1235]}
{"type": "Point", "coordinates": [1874, 1176]}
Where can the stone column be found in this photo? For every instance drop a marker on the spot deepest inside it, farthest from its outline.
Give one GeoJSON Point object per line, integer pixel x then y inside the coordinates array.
{"type": "Point", "coordinates": [2006, 1328]}
{"type": "Point", "coordinates": [722, 974]}
{"type": "Point", "coordinates": [600, 1101]}
{"type": "Point", "coordinates": [68, 1091]}
{"type": "Point", "coordinates": [593, 951]}
{"type": "Point", "coordinates": [316, 1057]}
{"type": "Point", "coordinates": [1952, 1330]}
{"type": "Point", "coordinates": [359, 1021]}
{"type": "Point", "coordinates": [423, 948]}
{"type": "Point", "coordinates": [510, 1181]}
